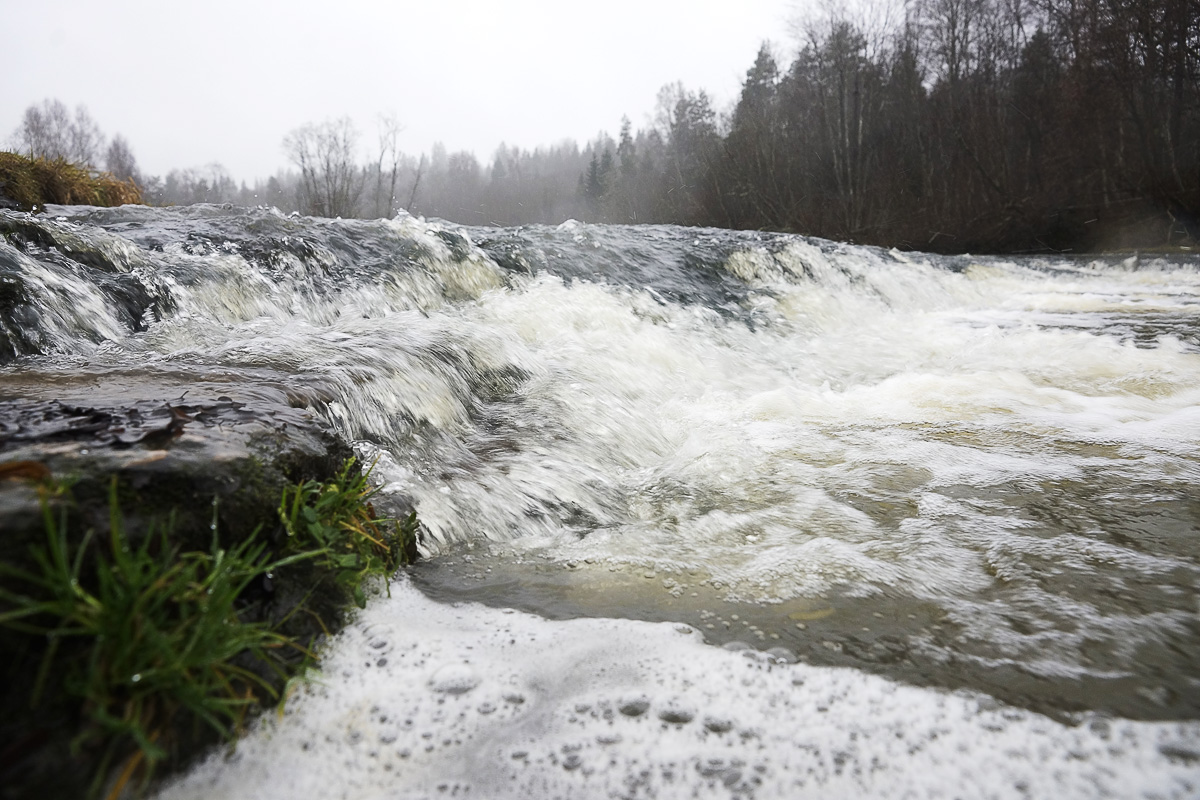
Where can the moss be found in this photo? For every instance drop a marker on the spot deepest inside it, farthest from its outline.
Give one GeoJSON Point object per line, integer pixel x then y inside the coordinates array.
{"type": "Point", "coordinates": [33, 182]}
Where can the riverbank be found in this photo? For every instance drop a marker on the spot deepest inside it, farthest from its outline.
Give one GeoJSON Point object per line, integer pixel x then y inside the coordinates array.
{"type": "Point", "coordinates": [175, 552]}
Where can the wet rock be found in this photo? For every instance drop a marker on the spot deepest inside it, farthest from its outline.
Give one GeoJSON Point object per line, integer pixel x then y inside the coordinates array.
{"type": "Point", "coordinates": [196, 461]}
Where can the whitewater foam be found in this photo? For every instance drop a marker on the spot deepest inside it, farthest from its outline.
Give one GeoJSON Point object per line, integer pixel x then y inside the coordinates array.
{"type": "Point", "coordinates": [419, 699]}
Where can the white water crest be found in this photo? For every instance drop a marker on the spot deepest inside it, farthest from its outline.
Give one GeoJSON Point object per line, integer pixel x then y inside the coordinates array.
{"type": "Point", "coordinates": [960, 473]}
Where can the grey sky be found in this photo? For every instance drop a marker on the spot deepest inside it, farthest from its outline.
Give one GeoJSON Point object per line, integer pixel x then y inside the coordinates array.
{"type": "Point", "coordinates": [188, 84]}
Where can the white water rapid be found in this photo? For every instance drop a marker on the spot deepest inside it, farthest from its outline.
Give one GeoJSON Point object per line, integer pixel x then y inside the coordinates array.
{"type": "Point", "coordinates": [961, 492]}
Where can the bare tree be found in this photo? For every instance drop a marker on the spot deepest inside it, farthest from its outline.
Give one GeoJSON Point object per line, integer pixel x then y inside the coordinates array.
{"type": "Point", "coordinates": [330, 180]}
{"type": "Point", "coordinates": [119, 160]}
{"type": "Point", "coordinates": [412, 196]}
{"type": "Point", "coordinates": [210, 183]}
{"type": "Point", "coordinates": [49, 131]}
{"type": "Point", "coordinates": [387, 167]}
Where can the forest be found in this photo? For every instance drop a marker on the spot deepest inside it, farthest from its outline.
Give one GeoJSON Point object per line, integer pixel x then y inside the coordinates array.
{"type": "Point", "coordinates": [941, 125]}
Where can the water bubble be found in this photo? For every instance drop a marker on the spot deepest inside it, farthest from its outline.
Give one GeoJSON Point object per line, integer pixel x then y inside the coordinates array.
{"type": "Point", "coordinates": [718, 724]}
{"type": "Point", "coordinates": [454, 679]}
{"type": "Point", "coordinates": [635, 707]}
{"type": "Point", "coordinates": [782, 655]}
{"type": "Point", "coordinates": [676, 716]}
{"type": "Point", "coordinates": [1180, 752]}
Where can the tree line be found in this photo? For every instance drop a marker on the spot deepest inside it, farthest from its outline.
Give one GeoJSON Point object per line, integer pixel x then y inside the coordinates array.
{"type": "Point", "coordinates": [968, 125]}
{"type": "Point", "coordinates": [948, 125]}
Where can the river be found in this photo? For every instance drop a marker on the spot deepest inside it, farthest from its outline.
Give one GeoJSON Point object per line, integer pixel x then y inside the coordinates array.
{"type": "Point", "coordinates": [706, 513]}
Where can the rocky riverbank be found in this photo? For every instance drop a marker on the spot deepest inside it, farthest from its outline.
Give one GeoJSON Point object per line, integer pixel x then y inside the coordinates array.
{"type": "Point", "coordinates": [196, 469]}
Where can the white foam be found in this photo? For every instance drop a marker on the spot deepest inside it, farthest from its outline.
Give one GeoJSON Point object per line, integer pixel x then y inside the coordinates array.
{"type": "Point", "coordinates": [419, 699]}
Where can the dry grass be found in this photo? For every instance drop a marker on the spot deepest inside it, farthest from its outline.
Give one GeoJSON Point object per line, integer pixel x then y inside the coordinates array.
{"type": "Point", "coordinates": [31, 182]}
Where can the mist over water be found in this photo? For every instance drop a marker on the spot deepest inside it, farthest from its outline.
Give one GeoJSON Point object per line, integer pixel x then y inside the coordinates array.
{"type": "Point", "coordinates": [972, 474]}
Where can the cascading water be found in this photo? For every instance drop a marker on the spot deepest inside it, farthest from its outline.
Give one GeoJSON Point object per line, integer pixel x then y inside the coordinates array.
{"type": "Point", "coordinates": [972, 477]}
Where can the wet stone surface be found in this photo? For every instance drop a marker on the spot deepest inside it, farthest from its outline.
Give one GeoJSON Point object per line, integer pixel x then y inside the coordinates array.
{"type": "Point", "coordinates": [171, 456]}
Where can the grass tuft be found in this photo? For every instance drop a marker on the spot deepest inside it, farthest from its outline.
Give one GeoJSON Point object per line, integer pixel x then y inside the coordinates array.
{"type": "Point", "coordinates": [33, 182]}
{"type": "Point", "coordinates": [147, 642]}
{"type": "Point", "coordinates": [338, 521]}
{"type": "Point", "coordinates": [155, 634]}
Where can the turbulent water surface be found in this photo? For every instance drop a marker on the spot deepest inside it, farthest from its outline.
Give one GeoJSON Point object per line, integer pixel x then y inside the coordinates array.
{"type": "Point", "coordinates": [960, 492]}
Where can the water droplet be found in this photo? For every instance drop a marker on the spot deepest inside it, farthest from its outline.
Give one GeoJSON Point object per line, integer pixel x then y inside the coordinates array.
{"type": "Point", "coordinates": [136, 677]}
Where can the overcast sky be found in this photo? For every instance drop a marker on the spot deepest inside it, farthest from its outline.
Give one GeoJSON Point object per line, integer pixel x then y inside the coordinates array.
{"type": "Point", "coordinates": [189, 84]}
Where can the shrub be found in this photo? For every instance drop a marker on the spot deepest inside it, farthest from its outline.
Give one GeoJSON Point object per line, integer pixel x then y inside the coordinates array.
{"type": "Point", "coordinates": [29, 182]}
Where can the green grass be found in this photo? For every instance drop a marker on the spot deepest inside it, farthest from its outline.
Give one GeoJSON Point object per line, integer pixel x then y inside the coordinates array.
{"type": "Point", "coordinates": [337, 521]}
{"type": "Point", "coordinates": [147, 642]}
